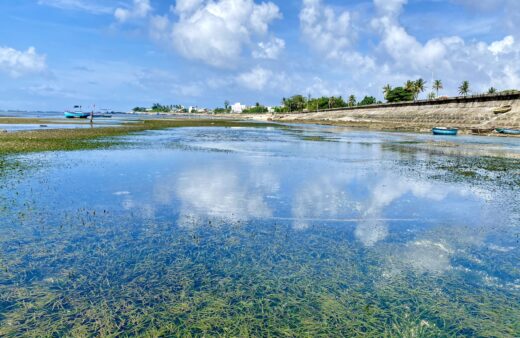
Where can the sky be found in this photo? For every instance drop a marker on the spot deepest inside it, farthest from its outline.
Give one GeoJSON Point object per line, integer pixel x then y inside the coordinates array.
{"type": "Point", "coordinates": [119, 54]}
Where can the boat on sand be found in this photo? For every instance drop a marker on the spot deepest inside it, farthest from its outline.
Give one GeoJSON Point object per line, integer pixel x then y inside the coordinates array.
{"type": "Point", "coordinates": [445, 131]}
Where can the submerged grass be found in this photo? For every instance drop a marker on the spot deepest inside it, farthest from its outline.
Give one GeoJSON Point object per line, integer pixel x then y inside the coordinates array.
{"type": "Point", "coordinates": [118, 276]}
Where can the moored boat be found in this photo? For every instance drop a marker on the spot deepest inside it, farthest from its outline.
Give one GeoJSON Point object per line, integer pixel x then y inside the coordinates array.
{"type": "Point", "coordinates": [508, 131]}
{"type": "Point", "coordinates": [482, 130]}
{"type": "Point", "coordinates": [445, 131]}
{"type": "Point", "coordinates": [76, 113]}
{"type": "Point", "coordinates": [502, 110]}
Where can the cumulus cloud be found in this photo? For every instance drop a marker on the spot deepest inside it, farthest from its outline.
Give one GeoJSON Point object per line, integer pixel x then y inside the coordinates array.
{"type": "Point", "coordinates": [502, 46]}
{"type": "Point", "coordinates": [475, 61]}
{"type": "Point", "coordinates": [261, 78]}
{"type": "Point", "coordinates": [215, 32]}
{"type": "Point", "coordinates": [139, 9]}
{"type": "Point", "coordinates": [17, 63]}
{"type": "Point", "coordinates": [330, 32]}
{"type": "Point", "coordinates": [270, 49]}
{"type": "Point", "coordinates": [255, 79]}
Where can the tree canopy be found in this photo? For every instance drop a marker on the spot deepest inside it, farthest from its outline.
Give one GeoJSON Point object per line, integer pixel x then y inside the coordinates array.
{"type": "Point", "coordinates": [400, 94]}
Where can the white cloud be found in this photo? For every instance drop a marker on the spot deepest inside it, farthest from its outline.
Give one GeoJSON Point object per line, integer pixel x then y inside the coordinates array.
{"type": "Point", "coordinates": [82, 5]}
{"type": "Point", "coordinates": [255, 79]}
{"type": "Point", "coordinates": [139, 9]}
{"type": "Point", "coordinates": [260, 78]}
{"type": "Point", "coordinates": [502, 46]}
{"type": "Point", "coordinates": [17, 63]}
{"type": "Point", "coordinates": [215, 32]}
{"type": "Point", "coordinates": [450, 58]}
{"type": "Point", "coordinates": [330, 32]}
{"type": "Point", "coordinates": [270, 49]}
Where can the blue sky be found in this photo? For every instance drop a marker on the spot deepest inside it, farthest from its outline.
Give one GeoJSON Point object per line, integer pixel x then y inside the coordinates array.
{"type": "Point", "coordinates": [121, 53]}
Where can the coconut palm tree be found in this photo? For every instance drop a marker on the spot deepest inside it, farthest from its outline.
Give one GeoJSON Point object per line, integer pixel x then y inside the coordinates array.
{"type": "Point", "coordinates": [351, 101]}
{"type": "Point", "coordinates": [437, 85]}
{"type": "Point", "coordinates": [410, 86]}
{"type": "Point", "coordinates": [492, 90]}
{"type": "Point", "coordinates": [386, 90]}
{"type": "Point", "coordinates": [431, 96]}
{"type": "Point", "coordinates": [419, 86]}
{"type": "Point", "coordinates": [464, 88]}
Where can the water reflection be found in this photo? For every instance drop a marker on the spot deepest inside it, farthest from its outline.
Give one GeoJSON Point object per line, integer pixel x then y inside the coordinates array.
{"type": "Point", "coordinates": [291, 234]}
{"type": "Point", "coordinates": [218, 194]}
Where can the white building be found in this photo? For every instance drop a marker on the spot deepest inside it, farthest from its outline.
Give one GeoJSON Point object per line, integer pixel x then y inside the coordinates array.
{"type": "Point", "coordinates": [237, 108]}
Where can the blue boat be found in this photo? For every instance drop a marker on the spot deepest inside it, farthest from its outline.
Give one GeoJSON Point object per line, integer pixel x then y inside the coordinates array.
{"type": "Point", "coordinates": [508, 131]}
{"type": "Point", "coordinates": [77, 113]}
{"type": "Point", "coordinates": [445, 131]}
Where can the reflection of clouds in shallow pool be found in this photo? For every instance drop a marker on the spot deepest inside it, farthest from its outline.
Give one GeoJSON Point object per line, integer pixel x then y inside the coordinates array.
{"type": "Point", "coordinates": [218, 194]}
{"type": "Point", "coordinates": [323, 198]}
{"type": "Point", "coordinates": [427, 256]}
{"type": "Point", "coordinates": [372, 229]}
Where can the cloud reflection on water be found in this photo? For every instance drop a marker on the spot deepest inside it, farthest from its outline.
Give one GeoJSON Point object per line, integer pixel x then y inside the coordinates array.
{"type": "Point", "coordinates": [218, 194]}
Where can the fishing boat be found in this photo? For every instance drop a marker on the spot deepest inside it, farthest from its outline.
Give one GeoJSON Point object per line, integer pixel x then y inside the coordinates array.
{"type": "Point", "coordinates": [76, 113]}
{"type": "Point", "coordinates": [106, 116]}
{"type": "Point", "coordinates": [502, 110]}
{"type": "Point", "coordinates": [508, 131]}
{"type": "Point", "coordinates": [445, 131]}
{"type": "Point", "coordinates": [482, 130]}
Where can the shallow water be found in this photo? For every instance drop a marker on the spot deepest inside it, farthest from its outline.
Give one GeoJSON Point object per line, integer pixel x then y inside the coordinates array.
{"type": "Point", "coordinates": [268, 231]}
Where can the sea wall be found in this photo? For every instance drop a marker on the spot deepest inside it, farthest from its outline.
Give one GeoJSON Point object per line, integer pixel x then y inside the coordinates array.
{"type": "Point", "coordinates": [465, 113]}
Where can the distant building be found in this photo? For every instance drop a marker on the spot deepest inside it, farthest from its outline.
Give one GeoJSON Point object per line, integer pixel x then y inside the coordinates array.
{"type": "Point", "coordinates": [238, 108]}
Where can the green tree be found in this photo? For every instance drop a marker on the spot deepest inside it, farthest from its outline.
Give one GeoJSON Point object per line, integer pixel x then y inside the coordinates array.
{"type": "Point", "coordinates": [437, 85]}
{"type": "Point", "coordinates": [492, 90]}
{"type": "Point", "coordinates": [352, 101]}
{"type": "Point", "coordinates": [418, 87]}
{"type": "Point", "coordinates": [409, 86]}
{"type": "Point", "coordinates": [386, 90]}
{"type": "Point", "coordinates": [431, 96]}
{"type": "Point", "coordinates": [227, 106]}
{"type": "Point", "coordinates": [367, 100]}
{"type": "Point", "coordinates": [400, 94]}
{"type": "Point", "coordinates": [257, 109]}
{"type": "Point", "coordinates": [464, 88]}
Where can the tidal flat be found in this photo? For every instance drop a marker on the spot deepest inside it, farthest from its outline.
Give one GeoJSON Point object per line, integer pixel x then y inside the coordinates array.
{"type": "Point", "coordinates": [222, 228]}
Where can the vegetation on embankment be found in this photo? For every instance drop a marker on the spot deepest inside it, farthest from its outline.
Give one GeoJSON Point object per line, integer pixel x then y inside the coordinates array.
{"type": "Point", "coordinates": [94, 138]}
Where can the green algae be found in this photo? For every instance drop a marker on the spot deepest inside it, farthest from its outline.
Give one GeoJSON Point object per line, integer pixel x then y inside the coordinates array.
{"type": "Point", "coordinates": [99, 138]}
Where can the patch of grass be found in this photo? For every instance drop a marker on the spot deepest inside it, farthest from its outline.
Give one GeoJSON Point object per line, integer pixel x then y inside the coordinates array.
{"type": "Point", "coordinates": [25, 120]}
{"type": "Point", "coordinates": [80, 139]}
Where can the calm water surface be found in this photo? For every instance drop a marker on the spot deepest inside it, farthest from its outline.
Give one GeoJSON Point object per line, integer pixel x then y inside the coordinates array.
{"type": "Point", "coordinates": [268, 231]}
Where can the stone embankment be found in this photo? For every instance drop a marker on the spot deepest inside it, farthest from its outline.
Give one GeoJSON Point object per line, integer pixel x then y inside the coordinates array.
{"type": "Point", "coordinates": [484, 112]}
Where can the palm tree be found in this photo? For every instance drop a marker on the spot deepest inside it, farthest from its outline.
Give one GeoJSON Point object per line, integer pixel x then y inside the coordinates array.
{"type": "Point", "coordinates": [492, 90]}
{"type": "Point", "coordinates": [284, 103]}
{"type": "Point", "coordinates": [464, 88]}
{"type": "Point", "coordinates": [431, 96]}
{"type": "Point", "coordinates": [410, 86]}
{"type": "Point", "coordinates": [419, 86]}
{"type": "Point", "coordinates": [386, 90]}
{"type": "Point", "coordinates": [351, 101]}
{"type": "Point", "coordinates": [437, 85]}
